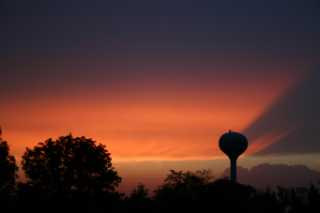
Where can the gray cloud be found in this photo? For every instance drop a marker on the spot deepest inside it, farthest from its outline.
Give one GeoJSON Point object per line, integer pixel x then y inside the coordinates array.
{"type": "Point", "coordinates": [296, 114]}
{"type": "Point", "coordinates": [272, 175]}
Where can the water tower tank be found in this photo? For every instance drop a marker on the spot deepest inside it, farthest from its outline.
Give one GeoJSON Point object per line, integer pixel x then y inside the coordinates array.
{"type": "Point", "coordinates": [233, 144]}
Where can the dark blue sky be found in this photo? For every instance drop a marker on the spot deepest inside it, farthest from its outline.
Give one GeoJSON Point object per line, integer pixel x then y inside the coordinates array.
{"type": "Point", "coordinates": [46, 40]}
{"type": "Point", "coordinates": [66, 27]}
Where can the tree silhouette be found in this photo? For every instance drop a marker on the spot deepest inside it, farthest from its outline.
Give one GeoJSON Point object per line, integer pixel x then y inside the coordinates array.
{"type": "Point", "coordinates": [8, 169]}
{"type": "Point", "coordinates": [139, 200]}
{"type": "Point", "coordinates": [140, 193]}
{"type": "Point", "coordinates": [176, 178]}
{"type": "Point", "coordinates": [183, 183]}
{"type": "Point", "coordinates": [70, 165]}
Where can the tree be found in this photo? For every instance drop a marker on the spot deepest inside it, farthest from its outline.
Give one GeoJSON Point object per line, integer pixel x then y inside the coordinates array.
{"type": "Point", "coordinates": [139, 200]}
{"type": "Point", "coordinates": [176, 178]}
{"type": "Point", "coordinates": [140, 193]}
{"type": "Point", "coordinates": [70, 164]}
{"type": "Point", "coordinates": [180, 185]}
{"type": "Point", "coordinates": [8, 169]}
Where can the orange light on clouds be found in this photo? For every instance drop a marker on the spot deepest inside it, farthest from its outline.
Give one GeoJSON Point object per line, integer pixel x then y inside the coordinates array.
{"type": "Point", "coordinates": [266, 140]}
{"type": "Point", "coordinates": [161, 119]}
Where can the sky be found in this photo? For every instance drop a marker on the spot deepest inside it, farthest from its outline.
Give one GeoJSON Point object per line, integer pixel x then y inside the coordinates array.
{"type": "Point", "coordinates": [160, 81]}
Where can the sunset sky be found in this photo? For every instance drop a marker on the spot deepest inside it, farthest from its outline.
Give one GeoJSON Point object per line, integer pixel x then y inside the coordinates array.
{"type": "Point", "coordinates": [162, 80]}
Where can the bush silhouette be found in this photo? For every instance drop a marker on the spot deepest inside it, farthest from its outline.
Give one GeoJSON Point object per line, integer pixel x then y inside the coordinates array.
{"type": "Point", "coordinates": [70, 165]}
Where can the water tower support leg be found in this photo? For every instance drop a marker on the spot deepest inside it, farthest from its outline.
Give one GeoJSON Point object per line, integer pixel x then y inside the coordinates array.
{"type": "Point", "coordinates": [233, 170]}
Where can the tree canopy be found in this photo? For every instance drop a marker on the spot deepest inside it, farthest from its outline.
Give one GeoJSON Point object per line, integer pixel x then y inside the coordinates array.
{"type": "Point", "coordinates": [8, 169]}
{"type": "Point", "coordinates": [70, 164]}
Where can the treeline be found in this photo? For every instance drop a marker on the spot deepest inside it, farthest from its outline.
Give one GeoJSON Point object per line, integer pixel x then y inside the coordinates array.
{"type": "Point", "coordinates": [75, 174]}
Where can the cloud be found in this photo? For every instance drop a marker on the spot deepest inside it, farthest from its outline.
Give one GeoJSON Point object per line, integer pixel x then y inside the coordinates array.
{"type": "Point", "coordinates": [293, 120]}
{"type": "Point", "coordinates": [272, 175]}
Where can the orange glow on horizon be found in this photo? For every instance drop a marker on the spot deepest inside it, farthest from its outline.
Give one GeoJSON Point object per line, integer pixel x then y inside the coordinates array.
{"type": "Point", "coordinates": [166, 129]}
{"type": "Point", "coordinates": [146, 120]}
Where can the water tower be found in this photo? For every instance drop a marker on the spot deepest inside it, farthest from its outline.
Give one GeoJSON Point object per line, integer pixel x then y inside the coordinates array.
{"type": "Point", "coordinates": [233, 144]}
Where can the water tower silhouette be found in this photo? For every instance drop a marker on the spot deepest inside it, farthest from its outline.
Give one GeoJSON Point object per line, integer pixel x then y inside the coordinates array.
{"type": "Point", "coordinates": [233, 144]}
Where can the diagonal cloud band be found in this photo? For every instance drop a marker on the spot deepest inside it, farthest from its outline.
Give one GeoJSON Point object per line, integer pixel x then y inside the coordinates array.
{"type": "Point", "coordinates": [292, 123]}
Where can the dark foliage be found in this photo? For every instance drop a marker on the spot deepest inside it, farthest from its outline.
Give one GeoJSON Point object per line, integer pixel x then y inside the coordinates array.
{"type": "Point", "coordinates": [8, 175]}
{"type": "Point", "coordinates": [76, 175]}
{"type": "Point", "coordinates": [70, 165]}
{"type": "Point", "coordinates": [8, 169]}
